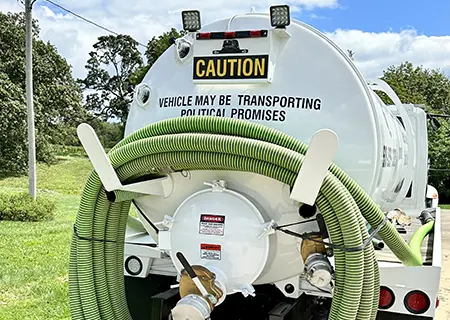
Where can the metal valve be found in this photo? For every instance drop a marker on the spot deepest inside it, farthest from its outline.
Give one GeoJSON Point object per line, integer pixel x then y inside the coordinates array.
{"type": "Point", "coordinates": [198, 290]}
{"type": "Point", "coordinates": [319, 270]}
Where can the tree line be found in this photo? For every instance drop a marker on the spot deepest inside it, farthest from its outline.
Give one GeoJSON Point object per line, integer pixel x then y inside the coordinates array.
{"type": "Point", "coordinates": [115, 66]}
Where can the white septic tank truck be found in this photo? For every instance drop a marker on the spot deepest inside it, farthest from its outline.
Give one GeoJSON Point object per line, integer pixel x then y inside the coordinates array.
{"type": "Point", "coordinates": [266, 180]}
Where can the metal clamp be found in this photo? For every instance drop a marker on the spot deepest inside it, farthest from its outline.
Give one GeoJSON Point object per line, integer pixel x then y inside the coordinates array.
{"type": "Point", "coordinates": [217, 185]}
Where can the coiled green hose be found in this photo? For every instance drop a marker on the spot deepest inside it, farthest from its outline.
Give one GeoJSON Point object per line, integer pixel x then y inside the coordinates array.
{"type": "Point", "coordinates": [96, 280]}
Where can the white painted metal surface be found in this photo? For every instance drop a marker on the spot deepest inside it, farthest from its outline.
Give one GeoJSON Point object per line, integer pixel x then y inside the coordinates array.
{"type": "Point", "coordinates": [437, 244]}
{"type": "Point", "coordinates": [311, 85]}
{"type": "Point", "coordinates": [272, 199]}
{"type": "Point", "coordinates": [413, 202]}
{"type": "Point", "coordinates": [401, 280]}
{"type": "Point", "coordinates": [314, 86]}
{"type": "Point", "coordinates": [221, 229]}
{"type": "Point", "coordinates": [318, 159]}
{"type": "Point", "coordinates": [432, 196]}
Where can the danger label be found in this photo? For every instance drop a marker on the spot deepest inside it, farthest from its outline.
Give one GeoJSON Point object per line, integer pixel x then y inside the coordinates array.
{"type": "Point", "coordinates": [210, 251]}
{"type": "Point", "coordinates": [213, 225]}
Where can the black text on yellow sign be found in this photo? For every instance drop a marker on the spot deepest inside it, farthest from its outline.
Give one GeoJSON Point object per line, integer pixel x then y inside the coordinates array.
{"type": "Point", "coordinates": [231, 67]}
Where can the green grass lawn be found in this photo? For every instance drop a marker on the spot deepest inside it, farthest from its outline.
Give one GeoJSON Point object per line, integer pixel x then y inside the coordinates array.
{"type": "Point", "coordinates": [445, 206]}
{"type": "Point", "coordinates": [67, 176]}
{"type": "Point", "coordinates": [34, 256]}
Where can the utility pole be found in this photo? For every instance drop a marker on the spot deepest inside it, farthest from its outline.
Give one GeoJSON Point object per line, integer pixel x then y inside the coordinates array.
{"type": "Point", "coordinates": [29, 91]}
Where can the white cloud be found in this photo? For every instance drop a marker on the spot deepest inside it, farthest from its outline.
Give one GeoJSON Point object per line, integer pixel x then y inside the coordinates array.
{"type": "Point", "coordinates": [140, 19]}
{"type": "Point", "coordinates": [311, 4]}
{"type": "Point", "coordinates": [374, 52]}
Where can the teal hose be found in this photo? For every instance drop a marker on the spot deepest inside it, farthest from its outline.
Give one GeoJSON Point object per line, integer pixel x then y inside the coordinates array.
{"type": "Point", "coordinates": [96, 280]}
{"type": "Point", "coordinates": [419, 235]}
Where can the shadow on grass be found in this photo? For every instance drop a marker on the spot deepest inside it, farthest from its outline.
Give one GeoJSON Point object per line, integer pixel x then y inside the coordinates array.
{"type": "Point", "coordinates": [6, 175]}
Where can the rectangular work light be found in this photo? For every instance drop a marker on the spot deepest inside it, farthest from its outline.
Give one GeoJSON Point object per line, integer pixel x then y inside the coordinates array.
{"type": "Point", "coordinates": [280, 16]}
{"type": "Point", "coordinates": [191, 20]}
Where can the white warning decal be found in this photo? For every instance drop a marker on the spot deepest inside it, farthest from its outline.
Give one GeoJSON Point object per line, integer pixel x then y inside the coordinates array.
{"type": "Point", "coordinates": [213, 225]}
{"type": "Point", "coordinates": [210, 251]}
{"type": "Point", "coordinates": [274, 108]}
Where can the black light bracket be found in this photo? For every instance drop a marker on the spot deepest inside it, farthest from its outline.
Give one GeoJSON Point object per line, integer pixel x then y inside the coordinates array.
{"type": "Point", "coordinates": [280, 16]}
{"type": "Point", "coordinates": [191, 20]}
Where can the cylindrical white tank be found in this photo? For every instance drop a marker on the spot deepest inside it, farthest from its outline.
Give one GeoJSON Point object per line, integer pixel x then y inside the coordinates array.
{"type": "Point", "coordinates": [312, 85]}
{"type": "Point", "coordinates": [294, 80]}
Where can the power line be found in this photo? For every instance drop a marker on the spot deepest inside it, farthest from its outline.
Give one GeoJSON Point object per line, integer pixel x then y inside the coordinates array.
{"type": "Point", "coordinates": [88, 21]}
{"type": "Point", "coordinates": [439, 115]}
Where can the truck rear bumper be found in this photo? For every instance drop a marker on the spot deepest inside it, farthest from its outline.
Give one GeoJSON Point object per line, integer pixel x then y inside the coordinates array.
{"type": "Point", "coordinates": [403, 279]}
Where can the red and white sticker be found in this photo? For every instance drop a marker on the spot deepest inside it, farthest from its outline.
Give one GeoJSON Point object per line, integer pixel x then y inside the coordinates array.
{"type": "Point", "coordinates": [210, 251]}
{"type": "Point", "coordinates": [213, 225]}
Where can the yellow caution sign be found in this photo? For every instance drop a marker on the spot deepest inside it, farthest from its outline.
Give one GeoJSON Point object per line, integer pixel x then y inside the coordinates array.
{"type": "Point", "coordinates": [230, 67]}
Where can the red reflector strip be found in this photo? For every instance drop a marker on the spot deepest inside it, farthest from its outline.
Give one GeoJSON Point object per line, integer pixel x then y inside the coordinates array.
{"type": "Point", "coordinates": [232, 34]}
{"type": "Point", "coordinates": [204, 35]}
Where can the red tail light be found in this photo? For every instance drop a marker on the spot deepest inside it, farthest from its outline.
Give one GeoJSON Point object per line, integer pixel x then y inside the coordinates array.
{"type": "Point", "coordinates": [255, 33]}
{"type": "Point", "coordinates": [387, 298]}
{"type": "Point", "coordinates": [417, 302]}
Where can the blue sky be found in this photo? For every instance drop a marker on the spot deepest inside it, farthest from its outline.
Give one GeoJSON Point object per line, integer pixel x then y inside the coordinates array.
{"type": "Point", "coordinates": [382, 33]}
{"type": "Point", "coordinates": [430, 17]}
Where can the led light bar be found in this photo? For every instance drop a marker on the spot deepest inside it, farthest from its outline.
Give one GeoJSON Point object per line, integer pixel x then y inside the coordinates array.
{"type": "Point", "coordinates": [280, 16]}
{"type": "Point", "coordinates": [191, 20]}
{"type": "Point", "coordinates": [231, 35]}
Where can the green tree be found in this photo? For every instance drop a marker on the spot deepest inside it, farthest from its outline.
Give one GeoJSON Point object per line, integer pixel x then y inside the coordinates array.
{"type": "Point", "coordinates": [415, 84]}
{"type": "Point", "coordinates": [13, 134]}
{"type": "Point", "coordinates": [13, 130]}
{"type": "Point", "coordinates": [158, 45]}
{"type": "Point", "coordinates": [54, 87]}
{"type": "Point", "coordinates": [110, 66]}
{"type": "Point", "coordinates": [431, 87]}
{"type": "Point", "coordinates": [57, 96]}
{"type": "Point", "coordinates": [109, 133]}
{"type": "Point", "coordinates": [155, 48]}
{"type": "Point", "coordinates": [439, 150]}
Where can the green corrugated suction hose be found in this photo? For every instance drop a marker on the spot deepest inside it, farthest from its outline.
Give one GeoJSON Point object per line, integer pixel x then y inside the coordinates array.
{"type": "Point", "coordinates": [96, 280]}
{"type": "Point", "coordinates": [419, 235]}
